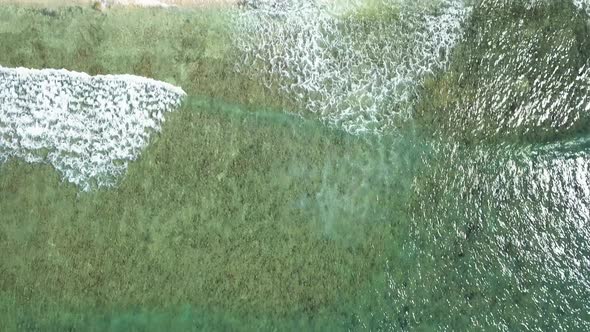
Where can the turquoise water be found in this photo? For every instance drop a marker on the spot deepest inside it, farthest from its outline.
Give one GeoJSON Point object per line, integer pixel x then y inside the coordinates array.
{"type": "Point", "coordinates": [427, 178]}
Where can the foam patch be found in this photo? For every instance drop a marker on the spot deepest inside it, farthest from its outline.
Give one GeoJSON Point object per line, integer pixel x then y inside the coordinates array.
{"type": "Point", "coordinates": [346, 62]}
{"type": "Point", "coordinates": [583, 5]}
{"type": "Point", "coordinates": [88, 127]}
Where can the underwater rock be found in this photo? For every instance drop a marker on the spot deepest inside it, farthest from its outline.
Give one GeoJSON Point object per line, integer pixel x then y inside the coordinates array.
{"type": "Point", "coordinates": [87, 127]}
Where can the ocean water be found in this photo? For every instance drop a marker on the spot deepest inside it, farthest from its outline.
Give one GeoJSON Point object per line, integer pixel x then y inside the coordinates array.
{"type": "Point", "coordinates": [430, 171]}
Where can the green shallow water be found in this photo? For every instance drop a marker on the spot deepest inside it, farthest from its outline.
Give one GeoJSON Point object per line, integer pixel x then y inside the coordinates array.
{"type": "Point", "coordinates": [241, 216]}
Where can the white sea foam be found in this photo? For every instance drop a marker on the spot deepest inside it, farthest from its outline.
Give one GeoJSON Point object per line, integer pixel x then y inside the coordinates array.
{"type": "Point", "coordinates": [87, 127]}
{"type": "Point", "coordinates": [582, 4]}
{"type": "Point", "coordinates": [360, 75]}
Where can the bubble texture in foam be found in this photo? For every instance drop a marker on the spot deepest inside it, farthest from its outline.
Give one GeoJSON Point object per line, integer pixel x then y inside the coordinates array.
{"type": "Point", "coordinates": [88, 127]}
{"type": "Point", "coordinates": [583, 4]}
{"type": "Point", "coordinates": [358, 74]}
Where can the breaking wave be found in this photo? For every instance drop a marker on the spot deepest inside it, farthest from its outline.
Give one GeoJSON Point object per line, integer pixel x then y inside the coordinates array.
{"type": "Point", "coordinates": [356, 65]}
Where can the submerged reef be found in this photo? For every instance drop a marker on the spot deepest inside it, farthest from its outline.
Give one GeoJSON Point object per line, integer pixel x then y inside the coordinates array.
{"type": "Point", "coordinates": [237, 216]}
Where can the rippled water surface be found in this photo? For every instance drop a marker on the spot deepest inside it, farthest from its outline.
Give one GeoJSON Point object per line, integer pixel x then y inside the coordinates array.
{"type": "Point", "coordinates": [368, 165]}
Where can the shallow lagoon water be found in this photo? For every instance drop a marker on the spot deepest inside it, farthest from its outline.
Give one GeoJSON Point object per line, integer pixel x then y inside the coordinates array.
{"type": "Point", "coordinates": [241, 216]}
